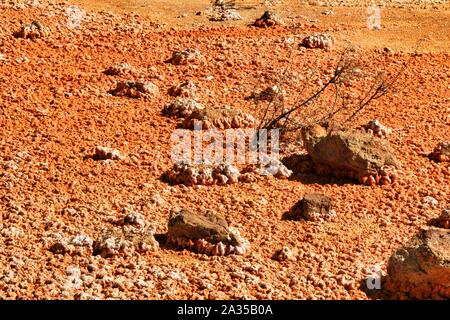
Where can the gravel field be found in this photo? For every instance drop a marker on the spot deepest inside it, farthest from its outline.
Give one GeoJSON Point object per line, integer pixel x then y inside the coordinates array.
{"type": "Point", "coordinates": [58, 196]}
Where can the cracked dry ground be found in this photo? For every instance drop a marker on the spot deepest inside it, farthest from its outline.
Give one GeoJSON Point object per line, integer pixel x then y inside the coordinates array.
{"type": "Point", "coordinates": [54, 110]}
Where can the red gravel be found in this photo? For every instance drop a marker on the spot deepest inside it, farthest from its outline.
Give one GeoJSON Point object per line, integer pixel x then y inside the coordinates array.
{"type": "Point", "coordinates": [54, 111]}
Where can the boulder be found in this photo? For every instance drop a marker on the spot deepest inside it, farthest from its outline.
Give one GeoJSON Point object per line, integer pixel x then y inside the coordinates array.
{"type": "Point", "coordinates": [352, 154]}
{"type": "Point", "coordinates": [421, 268]}
{"type": "Point", "coordinates": [187, 224]}
{"type": "Point", "coordinates": [205, 233]}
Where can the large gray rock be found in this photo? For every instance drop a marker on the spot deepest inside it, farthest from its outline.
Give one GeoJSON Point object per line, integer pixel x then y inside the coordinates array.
{"type": "Point", "coordinates": [352, 153]}
{"type": "Point", "coordinates": [210, 227]}
{"type": "Point", "coordinates": [421, 268]}
{"type": "Point", "coordinates": [205, 233]}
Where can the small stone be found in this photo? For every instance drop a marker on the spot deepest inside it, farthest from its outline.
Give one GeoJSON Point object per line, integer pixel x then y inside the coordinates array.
{"type": "Point", "coordinates": [226, 15]}
{"type": "Point", "coordinates": [91, 267]}
{"type": "Point", "coordinates": [184, 57]}
{"type": "Point", "coordinates": [125, 240]}
{"type": "Point", "coordinates": [119, 68]}
{"type": "Point", "coordinates": [202, 174]}
{"type": "Point", "coordinates": [283, 254]}
{"type": "Point", "coordinates": [82, 240]}
{"type": "Point", "coordinates": [430, 201]}
{"type": "Point", "coordinates": [182, 107]}
{"type": "Point", "coordinates": [441, 152]}
{"type": "Point", "coordinates": [271, 94]}
{"type": "Point", "coordinates": [444, 219]}
{"type": "Point", "coordinates": [313, 207]}
{"type": "Point", "coordinates": [376, 128]}
{"type": "Point", "coordinates": [105, 153]}
{"type": "Point", "coordinates": [268, 19]}
{"type": "Point", "coordinates": [59, 248]}
{"type": "Point", "coordinates": [271, 166]}
{"type": "Point", "coordinates": [135, 89]}
{"type": "Point", "coordinates": [12, 232]}
{"type": "Point", "coordinates": [22, 60]}
{"type": "Point", "coordinates": [220, 118]}
{"type": "Point", "coordinates": [34, 30]}
{"type": "Point", "coordinates": [319, 40]}
{"type": "Point", "coordinates": [184, 89]}
{"type": "Point", "coordinates": [327, 12]}
{"type": "Point", "coordinates": [135, 219]}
